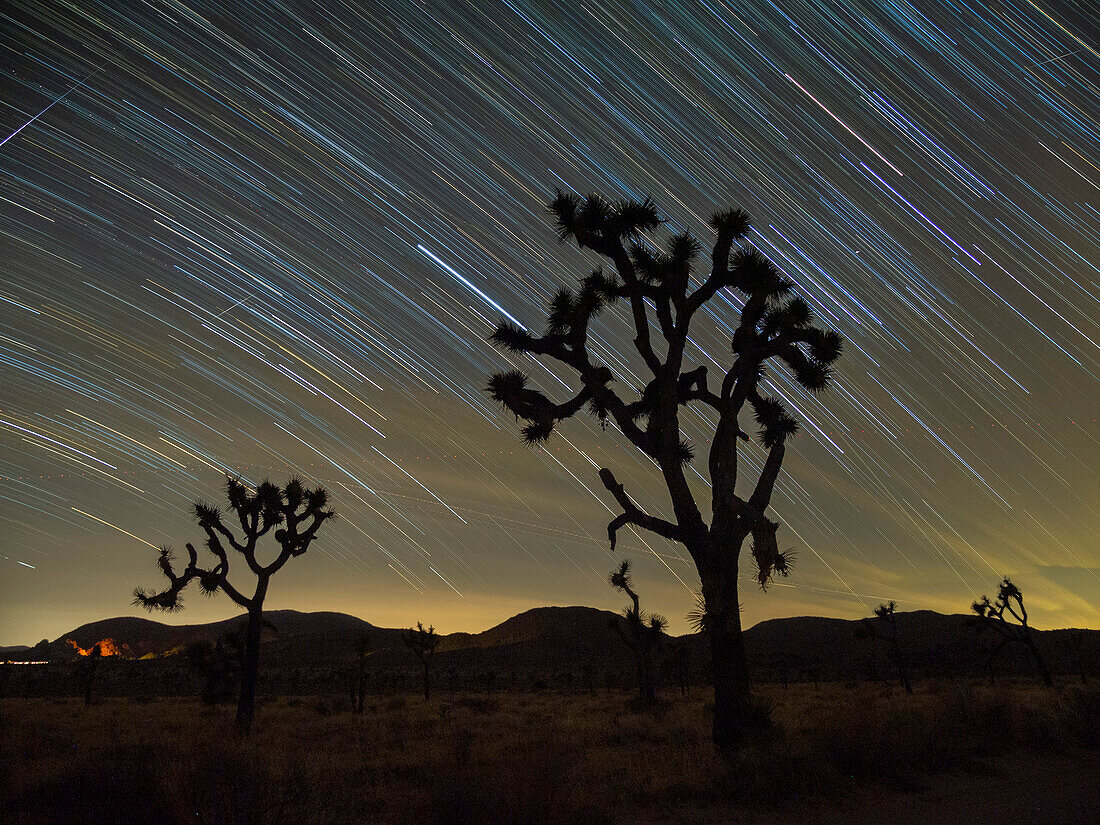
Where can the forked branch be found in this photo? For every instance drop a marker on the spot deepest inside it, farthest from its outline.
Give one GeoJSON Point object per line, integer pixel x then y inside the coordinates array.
{"type": "Point", "coordinates": [632, 514]}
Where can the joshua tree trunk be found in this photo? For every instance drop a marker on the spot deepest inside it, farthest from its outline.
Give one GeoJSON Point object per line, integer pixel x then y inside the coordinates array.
{"type": "Point", "coordinates": [905, 681]}
{"type": "Point", "coordinates": [1040, 663]}
{"type": "Point", "coordinates": [732, 690]}
{"type": "Point", "coordinates": [427, 682]}
{"type": "Point", "coordinates": [903, 666]}
{"type": "Point", "coordinates": [250, 667]}
{"type": "Point", "coordinates": [647, 683]}
{"type": "Point", "coordinates": [731, 687]}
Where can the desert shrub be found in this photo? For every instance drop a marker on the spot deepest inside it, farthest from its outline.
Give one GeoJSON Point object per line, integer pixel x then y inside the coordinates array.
{"type": "Point", "coordinates": [98, 784]}
{"type": "Point", "coordinates": [521, 786]}
{"type": "Point", "coordinates": [479, 704]}
{"type": "Point", "coordinates": [1082, 708]}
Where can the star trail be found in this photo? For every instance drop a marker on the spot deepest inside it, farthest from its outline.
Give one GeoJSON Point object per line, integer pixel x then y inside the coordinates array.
{"type": "Point", "coordinates": [273, 238]}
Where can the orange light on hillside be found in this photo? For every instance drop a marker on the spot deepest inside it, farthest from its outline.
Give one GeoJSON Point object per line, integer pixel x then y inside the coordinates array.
{"type": "Point", "coordinates": [107, 647]}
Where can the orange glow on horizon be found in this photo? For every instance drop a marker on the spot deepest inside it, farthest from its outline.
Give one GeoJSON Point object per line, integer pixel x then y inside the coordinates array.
{"type": "Point", "coordinates": [107, 647]}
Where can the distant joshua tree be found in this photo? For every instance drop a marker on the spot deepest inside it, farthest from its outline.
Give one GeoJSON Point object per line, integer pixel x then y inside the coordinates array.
{"type": "Point", "coordinates": [992, 614]}
{"type": "Point", "coordinates": [772, 326]}
{"type": "Point", "coordinates": [1075, 644]}
{"type": "Point", "coordinates": [294, 512]}
{"type": "Point", "coordinates": [423, 643]}
{"type": "Point", "coordinates": [680, 667]}
{"type": "Point", "coordinates": [357, 681]}
{"type": "Point", "coordinates": [886, 629]}
{"type": "Point", "coordinates": [88, 671]}
{"type": "Point", "coordinates": [642, 634]}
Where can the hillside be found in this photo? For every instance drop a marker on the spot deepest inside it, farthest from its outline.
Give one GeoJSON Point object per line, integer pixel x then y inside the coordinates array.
{"type": "Point", "coordinates": [560, 640]}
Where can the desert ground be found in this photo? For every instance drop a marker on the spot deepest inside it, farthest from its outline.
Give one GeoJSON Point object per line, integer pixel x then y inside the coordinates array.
{"type": "Point", "coordinates": [840, 752]}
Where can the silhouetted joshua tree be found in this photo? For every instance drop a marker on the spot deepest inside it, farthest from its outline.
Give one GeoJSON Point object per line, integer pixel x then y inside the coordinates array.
{"type": "Point", "coordinates": [680, 667]}
{"type": "Point", "coordinates": [357, 681]}
{"type": "Point", "coordinates": [1075, 644]}
{"type": "Point", "coordinates": [886, 629]}
{"type": "Point", "coordinates": [642, 634]}
{"type": "Point", "coordinates": [663, 301]}
{"type": "Point", "coordinates": [87, 672]}
{"type": "Point", "coordinates": [294, 512]}
{"type": "Point", "coordinates": [992, 614]}
{"type": "Point", "coordinates": [423, 643]}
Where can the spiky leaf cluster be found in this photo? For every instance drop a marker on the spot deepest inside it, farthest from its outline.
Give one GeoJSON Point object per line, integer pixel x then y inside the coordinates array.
{"type": "Point", "coordinates": [644, 629]}
{"type": "Point", "coordinates": [733, 223]}
{"type": "Point", "coordinates": [698, 617]}
{"type": "Point", "coordinates": [596, 221]}
{"type": "Point", "coordinates": [752, 273]}
{"type": "Point", "coordinates": [776, 424]}
{"type": "Point", "coordinates": [1007, 614]}
{"type": "Point", "coordinates": [683, 248]}
{"type": "Point", "coordinates": [298, 512]}
{"type": "Point", "coordinates": [512, 338]}
{"type": "Point", "coordinates": [421, 641]}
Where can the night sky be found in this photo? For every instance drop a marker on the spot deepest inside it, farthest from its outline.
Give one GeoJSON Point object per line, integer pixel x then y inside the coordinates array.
{"type": "Point", "coordinates": [273, 238]}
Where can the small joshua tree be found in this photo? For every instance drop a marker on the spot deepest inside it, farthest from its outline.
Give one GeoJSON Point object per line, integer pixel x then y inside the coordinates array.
{"type": "Point", "coordinates": [88, 671]}
{"type": "Point", "coordinates": [1009, 601]}
{"type": "Point", "coordinates": [680, 665]}
{"type": "Point", "coordinates": [642, 634]}
{"type": "Point", "coordinates": [423, 643]}
{"type": "Point", "coordinates": [886, 629]}
{"type": "Point", "coordinates": [1075, 644]}
{"type": "Point", "coordinates": [357, 677]}
{"type": "Point", "coordinates": [293, 512]}
{"type": "Point", "coordinates": [663, 301]}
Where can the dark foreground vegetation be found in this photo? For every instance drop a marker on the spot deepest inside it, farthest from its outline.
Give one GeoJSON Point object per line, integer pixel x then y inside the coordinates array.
{"type": "Point", "coordinates": [541, 757]}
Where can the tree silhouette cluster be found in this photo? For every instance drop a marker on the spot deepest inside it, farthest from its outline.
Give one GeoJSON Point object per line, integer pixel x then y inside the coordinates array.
{"type": "Point", "coordinates": [775, 333]}
{"type": "Point", "coordinates": [663, 297]}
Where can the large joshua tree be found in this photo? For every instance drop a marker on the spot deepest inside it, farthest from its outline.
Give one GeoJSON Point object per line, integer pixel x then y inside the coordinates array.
{"type": "Point", "coordinates": [664, 299]}
{"type": "Point", "coordinates": [294, 512]}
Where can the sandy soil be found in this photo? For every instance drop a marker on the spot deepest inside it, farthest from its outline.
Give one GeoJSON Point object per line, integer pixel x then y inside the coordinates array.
{"type": "Point", "coordinates": [1024, 789]}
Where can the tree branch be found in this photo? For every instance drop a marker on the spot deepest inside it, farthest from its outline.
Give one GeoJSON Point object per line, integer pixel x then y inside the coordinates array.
{"type": "Point", "coordinates": [633, 515]}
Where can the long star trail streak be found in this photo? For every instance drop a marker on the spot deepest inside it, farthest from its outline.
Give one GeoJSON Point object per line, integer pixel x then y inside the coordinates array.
{"type": "Point", "coordinates": [49, 106]}
{"type": "Point", "coordinates": [273, 239]}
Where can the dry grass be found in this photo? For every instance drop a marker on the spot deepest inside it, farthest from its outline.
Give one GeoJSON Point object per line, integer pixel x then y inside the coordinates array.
{"type": "Point", "coordinates": [535, 758]}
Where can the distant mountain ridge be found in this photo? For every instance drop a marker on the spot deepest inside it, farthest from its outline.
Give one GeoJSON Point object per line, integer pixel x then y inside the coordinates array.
{"type": "Point", "coordinates": [559, 639]}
